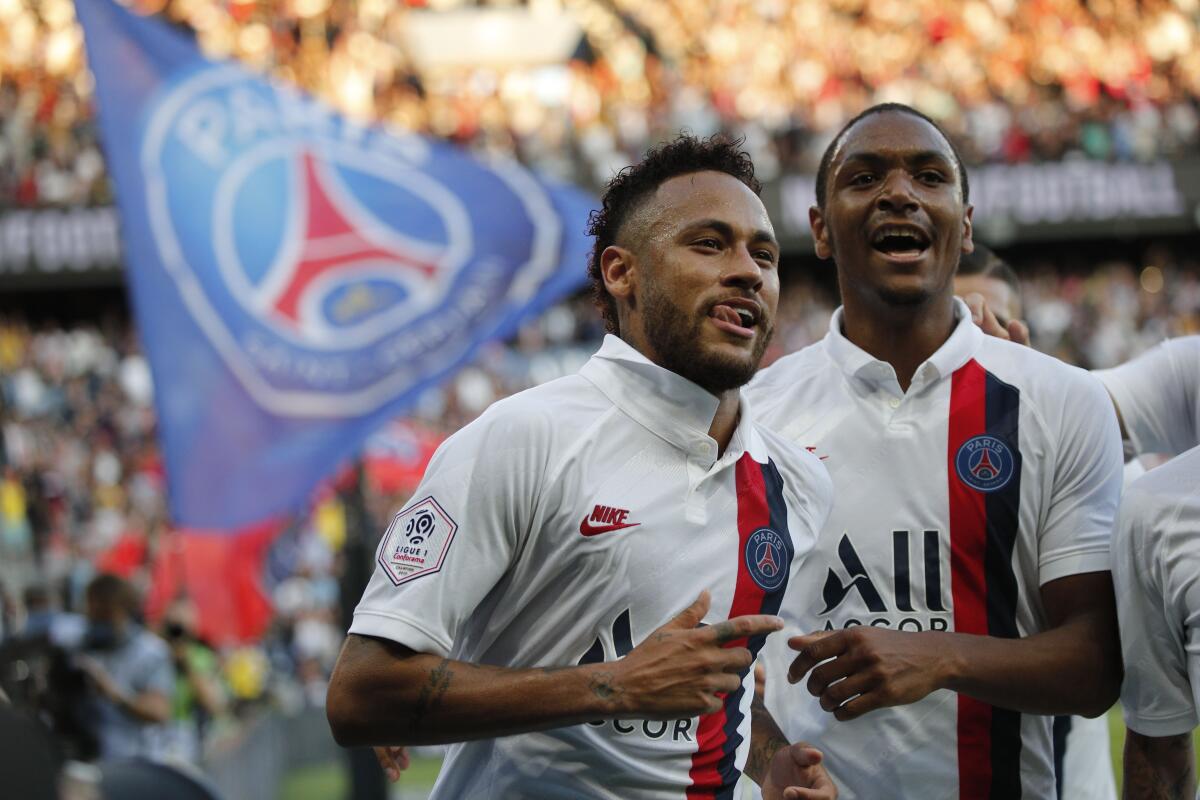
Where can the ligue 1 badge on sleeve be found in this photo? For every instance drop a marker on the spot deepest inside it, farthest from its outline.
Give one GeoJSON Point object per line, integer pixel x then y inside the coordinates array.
{"type": "Point", "coordinates": [417, 541]}
{"type": "Point", "coordinates": [984, 463]}
{"type": "Point", "coordinates": [331, 265]}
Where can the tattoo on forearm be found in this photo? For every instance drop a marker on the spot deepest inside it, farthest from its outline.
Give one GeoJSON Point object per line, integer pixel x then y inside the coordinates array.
{"type": "Point", "coordinates": [604, 686]}
{"type": "Point", "coordinates": [432, 693]}
{"type": "Point", "coordinates": [1159, 769]}
{"type": "Point", "coordinates": [765, 740]}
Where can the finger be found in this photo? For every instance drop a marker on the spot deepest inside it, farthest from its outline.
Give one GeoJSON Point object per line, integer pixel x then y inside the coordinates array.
{"type": "Point", "coordinates": [840, 692]}
{"type": "Point", "coordinates": [385, 761]}
{"type": "Point", "coordinates": [725, 683]}
{"type": "Point", "coordinates": [860, 705]}
{"type": "Point", "coordinates": [736, 660]}
{"type": "Point", "coordinates": [974, 301]}
{"type": "Point", "coordinates": [402, 759]}
{"type": "Point", "coordinates": [1019, 332]}
{"type": "Point", "coordinates": [804, 755]}
{"type": "Point", "coordinates": [691, 616]}
{"type": "Point", "coordinates": [826, 792]}
{"type": "Point", "coordinates": [812, 650]}
{"type": "Point", "coordinates": [731, 630]}
{"type": "Point", "coordinates": [827, 673]}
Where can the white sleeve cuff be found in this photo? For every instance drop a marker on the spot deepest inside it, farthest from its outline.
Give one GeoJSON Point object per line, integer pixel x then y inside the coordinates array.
{"type": "Point", "coordinates": [1064, 565]}
{"type": "Point", "coordinates": [1161, 726]}
{"type": "Point", "coordinates": [401, 629]}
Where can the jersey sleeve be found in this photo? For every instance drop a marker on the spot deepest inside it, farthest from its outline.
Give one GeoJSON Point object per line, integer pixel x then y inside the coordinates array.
{"type": "Point", "coordinates": [449, 546]}
{"type": "Point", "coordinates": [1086, 483]}
{"type": "Point", "coordinates": [1156, 695]}
{"type": "Point", "coordinates": [1157, 394]}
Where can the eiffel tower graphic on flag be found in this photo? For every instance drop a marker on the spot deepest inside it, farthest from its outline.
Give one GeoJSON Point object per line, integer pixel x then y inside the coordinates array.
{"type": "Point", "coordinates": [331, 242]}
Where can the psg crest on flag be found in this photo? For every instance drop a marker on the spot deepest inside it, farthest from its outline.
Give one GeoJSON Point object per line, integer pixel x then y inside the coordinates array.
{"type": "Point", "coordinates": [331, 265]}
{"type": "Point", "coordinates": [984, 463]}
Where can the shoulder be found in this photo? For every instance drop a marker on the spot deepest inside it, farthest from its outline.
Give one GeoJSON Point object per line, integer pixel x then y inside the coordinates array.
{"type": "Point", "coordinates": [1052, 387]}
{"type": "Point", "coordinates": [534, 418]}
{"type": "Point", "coordinates": [785, 370]}
{"type": "Point", "coordinates": [799, 467]}
{"type": "Point", "coordinates": [1163, 492]}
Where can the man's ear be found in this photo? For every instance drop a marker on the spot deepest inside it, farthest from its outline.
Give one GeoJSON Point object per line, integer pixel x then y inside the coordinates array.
{"type": "Point", "coordinates": [968, 241]}
{"type": "Point", "coordinates": [816, 219]}
{"type": "Point", "coordinates": [618, 269]}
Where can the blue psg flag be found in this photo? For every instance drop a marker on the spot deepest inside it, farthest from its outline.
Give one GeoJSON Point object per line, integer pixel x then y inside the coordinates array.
{"type": "Point", "coordinates": [299, 278]}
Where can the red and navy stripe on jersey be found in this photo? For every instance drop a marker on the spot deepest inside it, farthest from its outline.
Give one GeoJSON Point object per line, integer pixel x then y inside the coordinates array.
{"type": "Point", "coordinates": [983, 532]}
{"type": "Point", "coordinates": [714, 771]}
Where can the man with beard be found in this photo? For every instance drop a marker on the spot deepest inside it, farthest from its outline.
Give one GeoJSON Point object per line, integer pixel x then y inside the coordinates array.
{"type": "Point", "coordinates": [542, 602]}
{"type": "Point", "coordinates": [960, 591]}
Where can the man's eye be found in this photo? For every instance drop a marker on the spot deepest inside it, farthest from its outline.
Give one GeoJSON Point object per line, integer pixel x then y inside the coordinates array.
{"type": "Point", "coordinates": [862, 179]}
{"type": "Point", "coordinates": [765, 255]}
{"type": "Point", "coordinates": [931, 176]}
{"type": "Point", "coordinates": [709, 243]}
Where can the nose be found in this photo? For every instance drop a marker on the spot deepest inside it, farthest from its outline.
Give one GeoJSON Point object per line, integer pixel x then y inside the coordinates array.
{"type": "Point", "coordinates": [744, 271]}
{"type": "Point", "coordinates": [896, 192]}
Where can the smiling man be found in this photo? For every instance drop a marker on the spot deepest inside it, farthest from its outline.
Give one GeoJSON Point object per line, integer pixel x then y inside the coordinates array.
{"type": "Point", "coordinates": [960, 590]}
{"type": "Point", "coordinates": [541, 601]}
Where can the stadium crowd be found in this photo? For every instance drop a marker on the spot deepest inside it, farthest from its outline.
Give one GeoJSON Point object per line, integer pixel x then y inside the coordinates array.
{"type": "Point", "coordinates": [1012, 82]}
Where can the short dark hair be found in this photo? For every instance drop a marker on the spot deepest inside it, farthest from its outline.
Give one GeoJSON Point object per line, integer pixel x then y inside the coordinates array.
{"type": "Point", "coordinates": [984, 262]}
{"type": "Point", "coordinates": [624, 194]}
{"type": "Point", "coordinates": [112, 591]}
{"type": "Point", "coordinates": [827, 157]}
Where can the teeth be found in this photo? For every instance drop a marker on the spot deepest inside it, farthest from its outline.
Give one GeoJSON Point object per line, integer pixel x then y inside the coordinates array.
{"type": "Point", "coordinates": [746, 317]}
{"type": "Point", "coordinates": [894, 231]}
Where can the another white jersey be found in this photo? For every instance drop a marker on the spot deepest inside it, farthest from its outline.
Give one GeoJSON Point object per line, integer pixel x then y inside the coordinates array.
{"type": "Point", "coordinates": [563, 527]}
{"type": "Point", "coordinates": [1159, 396]}
{"type": "Point", "coordinates": [998, 471]}
{"type": "Point", "coordinates": [1156, 569]}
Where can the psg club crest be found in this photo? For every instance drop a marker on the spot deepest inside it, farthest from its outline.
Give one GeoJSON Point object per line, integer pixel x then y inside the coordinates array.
{"type": "Point", "coordinates": [984, 463]}
{"type": "Point", "coordinates": [331, 266]}
{"type": "Point", "coordinates": [417, 541]}
{"type": "Point", "coordinates": [767, 559]}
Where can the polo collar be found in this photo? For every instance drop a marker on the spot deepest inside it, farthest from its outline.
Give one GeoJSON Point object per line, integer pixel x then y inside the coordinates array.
{"type": "Point", "coordinates": [855, 362]}
{"type": "Point", "coordinates": [667, 404]}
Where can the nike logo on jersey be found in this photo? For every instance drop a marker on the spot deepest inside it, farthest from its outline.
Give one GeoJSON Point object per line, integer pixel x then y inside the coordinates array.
{"type": "Point", "coordinates": [608, 519]}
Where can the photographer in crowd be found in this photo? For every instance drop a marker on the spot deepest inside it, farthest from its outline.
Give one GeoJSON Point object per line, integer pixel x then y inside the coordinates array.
{"type": "Point", "coordinates": [129, 670]}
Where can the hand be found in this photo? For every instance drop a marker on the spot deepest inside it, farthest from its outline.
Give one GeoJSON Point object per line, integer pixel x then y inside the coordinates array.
{"type": "Point", "coordinates": [681, 670]}
{"type": "Point", "coordinates": [394, 760]}
{"type": "Point", "coordinates": [868, 668]}
{"type": "Point", "coordinates": [796, 774]}
{"type": "Point", "coordinates": [100, 678]}
{"type": "Point", "coordinates": [1014, 330]}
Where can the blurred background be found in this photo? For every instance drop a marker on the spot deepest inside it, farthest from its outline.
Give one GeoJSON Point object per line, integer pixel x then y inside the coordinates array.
{"type": "Point", "coordinates": [1079, 121]}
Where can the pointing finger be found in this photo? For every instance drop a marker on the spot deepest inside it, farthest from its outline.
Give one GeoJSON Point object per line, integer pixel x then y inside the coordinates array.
{"type": "Point", "coordinates": [813, 649]}
{"type": "Point", "coordinates": [731, 630]}
{"type": "Point", "coordinates": [691, 616]}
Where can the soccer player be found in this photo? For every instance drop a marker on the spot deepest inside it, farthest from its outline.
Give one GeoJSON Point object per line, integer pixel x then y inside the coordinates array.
{"type": "Point", "coordinates": [536, 604]}
{"type": "Point", "coordinates": [1157, 396]}
{"type": "Point", "coordinates": [1082, 750]}
{"type": "Point", "coordinates": [1156, 568]}
{"type": "Point", "coordinates": [960, 590]}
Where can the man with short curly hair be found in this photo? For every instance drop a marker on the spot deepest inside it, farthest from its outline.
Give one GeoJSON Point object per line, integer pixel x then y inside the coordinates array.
{"type": "Point", "coordinates": [538, 589]}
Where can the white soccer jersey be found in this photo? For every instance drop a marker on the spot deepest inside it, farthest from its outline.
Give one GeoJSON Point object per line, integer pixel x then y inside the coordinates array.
{"type": "Point", "coordinates": [564, 526]}
{"type": "Point", "coordinates": [1156, 569]}
{"type": "Point", "coordinates": [997, 472]}
{"type": "Point", "coordinates": [1159, 396]}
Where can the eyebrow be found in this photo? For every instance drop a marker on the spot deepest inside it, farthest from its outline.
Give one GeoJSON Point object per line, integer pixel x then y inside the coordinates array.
{"type": "Point", "coordinates": [914, 157]}
{"type": "Point", "coordinates": [725, 229]}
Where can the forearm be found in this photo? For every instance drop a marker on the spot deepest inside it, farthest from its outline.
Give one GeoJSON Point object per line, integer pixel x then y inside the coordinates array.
{"type": "Point", "coordinates": [424, 699]}
{"type": "Point", "coordinates": [146, 707]}
{"type": "Point", "coordinates": [766, 738]}
{"type": "Point", "coordinates": [1072, 669]}
{"type": "Point", "coordinates": [1159, 768]}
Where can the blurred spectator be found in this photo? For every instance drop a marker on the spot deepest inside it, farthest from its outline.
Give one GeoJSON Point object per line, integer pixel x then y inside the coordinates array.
{"type": "Point", "coordinates": [198, 697]}
{"type": "Point", "coordinates": [130, 672]}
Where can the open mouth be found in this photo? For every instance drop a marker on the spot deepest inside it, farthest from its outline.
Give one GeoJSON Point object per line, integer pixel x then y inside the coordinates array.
{"type": "Point", "coordinates": [900, 242]}
{"type": "Point", "coordinates": [737, 316]}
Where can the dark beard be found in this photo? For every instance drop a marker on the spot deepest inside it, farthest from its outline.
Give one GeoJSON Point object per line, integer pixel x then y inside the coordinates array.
{"type": "Point", "coordinates": [675, 337]}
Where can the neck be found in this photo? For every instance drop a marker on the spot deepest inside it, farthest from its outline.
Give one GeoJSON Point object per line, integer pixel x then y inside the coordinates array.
{"type": "Point", "coordinates": [903, 336]}
{"type": "Point", "coordinates": [725, 421]}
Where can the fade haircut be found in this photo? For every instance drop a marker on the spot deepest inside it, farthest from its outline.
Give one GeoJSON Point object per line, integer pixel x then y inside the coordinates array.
{"type": "Point", "coordinates": [984, 262]}
{"type": "Point", "coordinates": [881, 108]}
{"type": "Point", "coordinates": [624, 197]}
